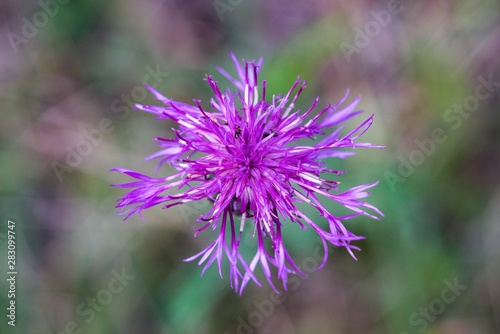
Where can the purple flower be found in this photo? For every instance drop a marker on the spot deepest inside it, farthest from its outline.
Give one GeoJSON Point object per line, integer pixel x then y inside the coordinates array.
{"type": "Point", "coordinates": [249, 156]}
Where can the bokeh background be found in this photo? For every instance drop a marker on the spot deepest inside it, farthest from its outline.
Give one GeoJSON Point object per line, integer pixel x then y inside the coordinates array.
{"type": "Point", "coordinates": [429, 71]}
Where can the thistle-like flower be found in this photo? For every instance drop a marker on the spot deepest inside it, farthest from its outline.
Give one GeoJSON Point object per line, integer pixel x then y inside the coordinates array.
{"type": "Point", "coordinates": [248, 155]}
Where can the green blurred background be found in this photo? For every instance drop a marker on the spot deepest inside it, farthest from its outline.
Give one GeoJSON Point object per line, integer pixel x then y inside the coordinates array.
{"type": "Point", "coordinates": [430, 73]}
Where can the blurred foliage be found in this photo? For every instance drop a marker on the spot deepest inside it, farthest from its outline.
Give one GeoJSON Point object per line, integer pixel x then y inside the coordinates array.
{"type": "Point", "coordinates": [88, 58]}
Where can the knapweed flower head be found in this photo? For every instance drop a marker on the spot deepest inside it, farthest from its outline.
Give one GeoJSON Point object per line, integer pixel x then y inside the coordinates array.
{"type": "Point", "coordinates": [255, 158]}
